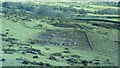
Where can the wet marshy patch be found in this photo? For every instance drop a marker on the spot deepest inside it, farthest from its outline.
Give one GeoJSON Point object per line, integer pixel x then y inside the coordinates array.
{"type": "Point", "coordinates": [62, 38]}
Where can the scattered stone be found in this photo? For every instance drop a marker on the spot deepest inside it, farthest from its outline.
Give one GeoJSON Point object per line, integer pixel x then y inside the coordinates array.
{"type": "Point", "coordinates": [107, 61]}
{"type": "Point", "coordinates": [41, 64]}
{"type": "Point", "coordinates": [13, 39]}
{"type": "Point", "coordinates": [47, 48]}
{"type": "Point", "coordinates": [65, 51]}
{"type": "Point", "coordinates": [5, 39]}
{"type": "Point", "coordinates": [23, 44]}
{"type": "Point", "coordinates": [52, 35]}
{"type": "Point", "coordinates": [35, 56]}
{"type": "Point", "coordinates": [56, 54]}
{"type": "Point", "coordinates": [32, 42]}
{"type": "Point", "coordinates": [24, 47]}
{"type": "Point", "coordinates": [90, 61]}
{"type": "Point", "coordinates": [11, 35]}
{"type": "Point", "coordinates": [48, 65]}
{"type": "Point", "coordinates": [35, 63]}
{"type": "Point", "coordinates": [52, 58]}
{"type": "Point", "coordinates": [25, 62]}
{"type": "Point", "coordinates": [7, 30]}
{"type": "Point", "coordinates": [24, 52]}
{"type": "Point", "coordinates": [3, 59]}
{"type": "Point", "coordinates": [75, 56]}
{"type": "Point", "coordinates": [72, 61]}
{"type": "Point", "coordinates": [33, 51]}
{"type": "Point", "coordinates": [4, 35]}
{"type": "Point", "coordinates": [66, 48]}
{"type": "Point", "coordinates": [74, 43]}
{"type": "Point", "coordinates": [62, 57]}
{"type": "Point", "coordinates": [9, 51]}
{"type": "Point", "coordinates": [97, 60]}
{"type": "Point", "coordinates": [62, 43]}
{"type": "Point", "coordinates": [10, 45]}
{"type": "Point", "coordinates": [13, 42]}
{"type": "Point", "coordinates": [85, 62]}
{"type": "Point", "coordinates": [48, 30]}
{"type": "Point", "coordinates": [21, 59]}
{"type": "Point", "coordinates": [96, 63]}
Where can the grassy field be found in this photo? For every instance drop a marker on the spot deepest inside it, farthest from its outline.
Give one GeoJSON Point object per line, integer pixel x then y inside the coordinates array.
{"type": "Point", "coordinates": [32, 39]}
